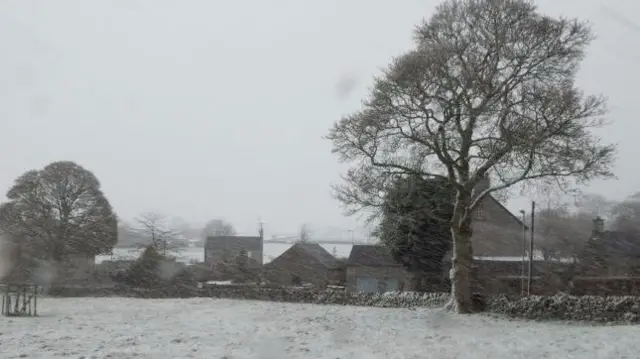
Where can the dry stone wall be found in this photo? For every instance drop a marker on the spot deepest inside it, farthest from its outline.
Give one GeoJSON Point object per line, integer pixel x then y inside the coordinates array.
{"type": "Point", "coordinates": [601, 309]}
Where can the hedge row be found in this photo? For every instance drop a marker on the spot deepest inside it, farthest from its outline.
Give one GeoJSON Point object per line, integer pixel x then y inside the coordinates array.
{"type": "Point", "coordinates": [603, 309]}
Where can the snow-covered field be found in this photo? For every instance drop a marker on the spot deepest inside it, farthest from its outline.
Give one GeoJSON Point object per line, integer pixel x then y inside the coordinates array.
{"type": "Point", "coordinates": [214, 329]}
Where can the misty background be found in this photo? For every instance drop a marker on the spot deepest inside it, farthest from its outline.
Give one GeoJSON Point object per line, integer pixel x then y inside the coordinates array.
{"type": "Point", "coordinates": [202, 109]}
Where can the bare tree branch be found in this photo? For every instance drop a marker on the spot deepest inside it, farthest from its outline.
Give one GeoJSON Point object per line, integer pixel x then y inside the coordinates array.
{"type": "Point", "coordinates": [487, 92]}
{"type": "Point", "coordinates": [218, 228]}
{"type": "Point", "coordinates": [155, 227]}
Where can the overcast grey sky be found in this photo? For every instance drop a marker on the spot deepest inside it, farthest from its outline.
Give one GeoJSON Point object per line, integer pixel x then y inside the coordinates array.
{"type": "Point", "coordinates": [203, 108]}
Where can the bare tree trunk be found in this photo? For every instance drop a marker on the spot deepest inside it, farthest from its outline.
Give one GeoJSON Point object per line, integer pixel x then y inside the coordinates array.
{"type": "Point", "coordinates": [462, 261]}
{"type": "Point", "coordinates": [461, 272]}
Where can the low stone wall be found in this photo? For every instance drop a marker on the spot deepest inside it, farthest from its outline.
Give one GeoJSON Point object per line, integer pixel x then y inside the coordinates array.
{"type": "Point", "coordinates": [284, 294]}
{"type": "Point", "coordinates": [602, 309]}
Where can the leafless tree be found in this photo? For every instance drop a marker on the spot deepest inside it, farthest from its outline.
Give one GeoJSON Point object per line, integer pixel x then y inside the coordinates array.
{"type": "Point", "coordinates": [57, 211]}
{"type": "Point", "coordinates": [561, 234]}
{"type": "Point", "coordinates": [218, 228]}
{"type": "Point", "coordinates": [155, 227]}
{"type": "Point", "coordinates": [183, 229]}
{"type": "Point", "coordinates": [626, 215]}
{"type": "Point", "coordinates": [487, 91]}
{"type": "Point", "coordinates": [305, 233]}
{"type": "Point", "coordinates": [129, 236]}
{"type": "Point", "coordinates": [594, 205]}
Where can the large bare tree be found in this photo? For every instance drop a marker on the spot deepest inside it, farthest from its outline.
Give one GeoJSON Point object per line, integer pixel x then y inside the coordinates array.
{"type": "Point", "coordinates": [58, 211]}
{"type": "Point", "coordinates": [626, 215]}
{"type": "Point", "coordinates": [218, 228]}
{"type": "Point", "coordinates": [487, 91]}
{"type": "Point", "coordinates": [561, 234]}
{"type": "Point", "coordinates": [155, 228]}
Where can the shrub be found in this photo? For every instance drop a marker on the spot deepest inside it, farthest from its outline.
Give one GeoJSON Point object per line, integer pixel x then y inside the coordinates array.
{"type": "Point", "coordinates": [145, 272]}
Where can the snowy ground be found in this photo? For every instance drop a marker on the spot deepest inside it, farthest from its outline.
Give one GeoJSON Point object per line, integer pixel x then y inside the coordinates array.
{"type": "Point", "coordinates": [213, 329]}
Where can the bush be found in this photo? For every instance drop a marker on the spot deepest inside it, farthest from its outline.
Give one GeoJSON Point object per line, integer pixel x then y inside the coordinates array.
{"type": "Point", "coordinates": [151, 270]}
{"type": "Point", "coordinates": [200, 272]}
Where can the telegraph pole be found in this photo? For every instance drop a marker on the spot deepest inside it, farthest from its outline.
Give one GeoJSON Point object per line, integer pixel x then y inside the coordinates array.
{"type": "Point", "coordinates": [261, 233]}
{"type": "Point", "coordinates": [524, 250]}
{"type": "Point", "coordinates": [533, 214]}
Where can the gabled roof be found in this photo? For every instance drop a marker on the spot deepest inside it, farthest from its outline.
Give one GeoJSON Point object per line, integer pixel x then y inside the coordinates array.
{"type": "Point", "coordinates": [505, 209]}
{"type": "Point", "coordinates": [319, 253]}
{"type": "Point", "coordinates": [233, 243]}
{"type": "Point", "coordinates": [371, 256]}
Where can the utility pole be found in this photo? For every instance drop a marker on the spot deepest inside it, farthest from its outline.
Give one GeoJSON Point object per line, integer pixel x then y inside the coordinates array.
{"type": "Point", "coordinates": [261, 233]}
{"type": "Point", "coordinates": [352, 236]}
{"type": "Point", "coordinates": [533, 214]}
{"type": "Point", "coordinates": [164, 247]}
{"type": "Point", "coordinates": [524, 250]}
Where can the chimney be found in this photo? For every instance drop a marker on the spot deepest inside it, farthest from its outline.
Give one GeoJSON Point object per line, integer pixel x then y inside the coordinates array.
{"type": "Point", "coordinates": [598, 225]}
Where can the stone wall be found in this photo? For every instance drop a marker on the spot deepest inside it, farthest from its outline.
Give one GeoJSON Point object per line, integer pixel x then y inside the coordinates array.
{"type": "Point", "coordinates": [601, 309]}
{"type": "Point", "coordinates": [251, 292]}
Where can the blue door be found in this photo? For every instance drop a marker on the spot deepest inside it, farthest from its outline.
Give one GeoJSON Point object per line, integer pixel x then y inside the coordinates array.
{"type": "Point", "coordinates": [366, 285]}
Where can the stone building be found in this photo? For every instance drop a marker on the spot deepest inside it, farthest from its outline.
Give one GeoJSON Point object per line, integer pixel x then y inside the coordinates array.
{"type": "Point", "coordinates": [304, 263]}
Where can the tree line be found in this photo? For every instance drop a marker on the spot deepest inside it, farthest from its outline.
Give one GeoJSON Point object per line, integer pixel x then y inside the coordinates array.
{"type": "Point", "coordinates": [563, 227]}
{"type": "Point", "coordinates": [60, 211]}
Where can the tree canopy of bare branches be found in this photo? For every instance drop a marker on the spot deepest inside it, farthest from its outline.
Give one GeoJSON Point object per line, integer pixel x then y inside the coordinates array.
{"type": "Point", "coordinates": [562, 234]}
{"type": "Point", "coordinates": [626, 215]}
{"type": "Point", "coordinates": [58, 211]}
{"type": "Point", "coordinates": [305, 233]}
{"type": "Point", "coordinates": [155, 228]}
{"type": "Point", "coordinates": [487, 90]}
{"type": "Point", "coordinates": [218, 228]}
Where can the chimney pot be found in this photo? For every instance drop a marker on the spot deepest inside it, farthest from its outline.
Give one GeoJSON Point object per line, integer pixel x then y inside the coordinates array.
{"type": "Point", "coordinates": [598, 225]}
